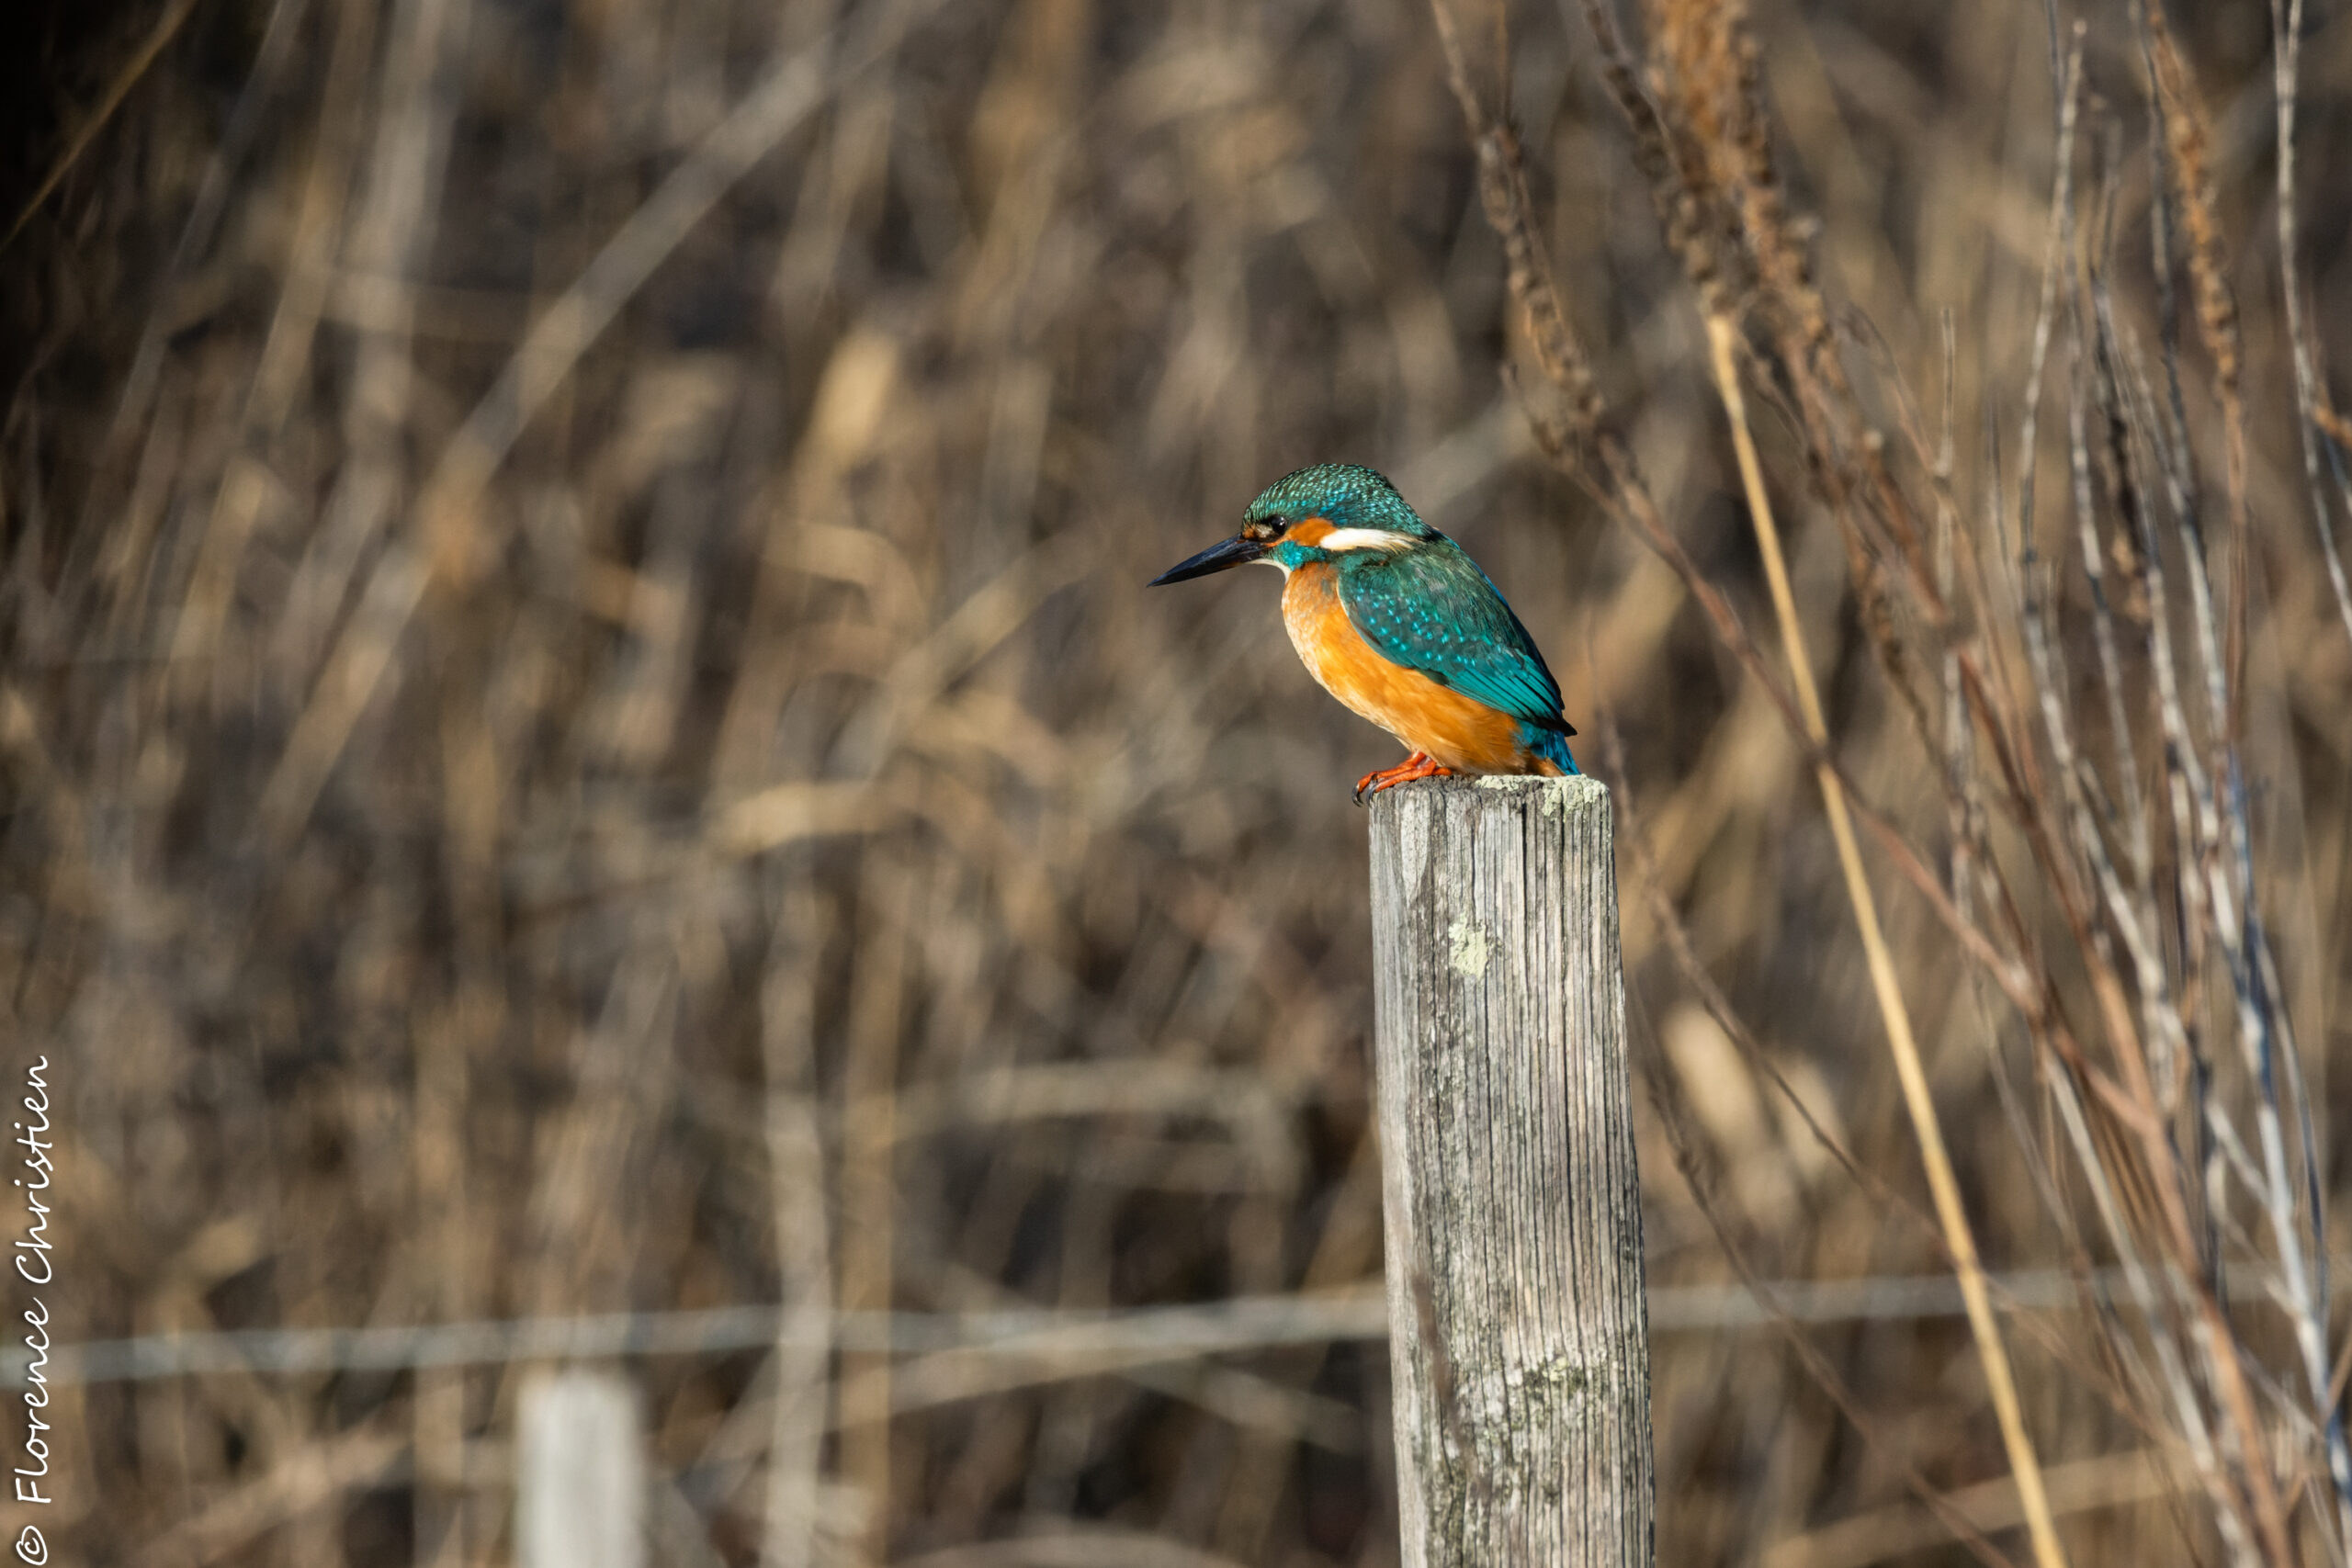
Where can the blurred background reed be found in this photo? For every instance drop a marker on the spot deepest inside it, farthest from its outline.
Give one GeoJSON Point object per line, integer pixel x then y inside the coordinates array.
{"type": "Point", "coordinates": [581, 736]}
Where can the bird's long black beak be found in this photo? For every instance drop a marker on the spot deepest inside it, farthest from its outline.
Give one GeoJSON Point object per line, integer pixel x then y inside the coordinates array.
{"type": "Point", "coordinates": [1236, 551]}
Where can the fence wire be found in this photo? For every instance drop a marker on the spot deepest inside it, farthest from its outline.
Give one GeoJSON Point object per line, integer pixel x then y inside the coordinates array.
{"type": "Point", "coordinates": [1068, 1343]}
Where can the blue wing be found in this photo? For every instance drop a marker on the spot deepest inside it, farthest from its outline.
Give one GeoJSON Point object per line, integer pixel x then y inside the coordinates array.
{"type": "Point", "coordinates": [1430, 609]}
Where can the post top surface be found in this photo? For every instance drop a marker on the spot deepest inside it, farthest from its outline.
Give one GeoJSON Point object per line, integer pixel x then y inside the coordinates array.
{"type": "Point", "coordinates": [1553, 797]}
{"type": "Point", "coordinates": [1574, 787]}
{"type": "Point", "coordinates": [1577, 795]}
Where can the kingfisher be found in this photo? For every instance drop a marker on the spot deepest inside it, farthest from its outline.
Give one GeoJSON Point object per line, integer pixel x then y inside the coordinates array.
{"type": "Point", "coordinates": [1394, 619]}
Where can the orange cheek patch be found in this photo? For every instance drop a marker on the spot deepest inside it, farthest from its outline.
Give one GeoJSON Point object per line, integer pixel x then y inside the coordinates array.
{"type": "Point", "coordinates": [1308, 531]}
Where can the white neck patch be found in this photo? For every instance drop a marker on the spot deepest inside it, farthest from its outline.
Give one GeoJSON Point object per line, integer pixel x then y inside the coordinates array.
{"type": "Point", "coordinates": [1339, 540]}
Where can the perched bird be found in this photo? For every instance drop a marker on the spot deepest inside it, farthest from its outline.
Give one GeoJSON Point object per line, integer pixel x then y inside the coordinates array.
{"type": "Point", "coordinates": [1395, 621]}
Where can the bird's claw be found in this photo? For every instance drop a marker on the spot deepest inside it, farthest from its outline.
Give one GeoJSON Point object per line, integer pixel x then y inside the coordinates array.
{"type": "Point", "coordinates": [1419, 765]}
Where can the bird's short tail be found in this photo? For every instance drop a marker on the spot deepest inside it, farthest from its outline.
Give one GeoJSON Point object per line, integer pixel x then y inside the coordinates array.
{"type": "Point", "coordinates": [1553, 747]}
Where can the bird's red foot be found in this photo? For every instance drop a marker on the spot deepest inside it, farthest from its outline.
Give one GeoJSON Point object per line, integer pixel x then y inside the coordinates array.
{"type": "Point", "coordinates": [1419, 765]}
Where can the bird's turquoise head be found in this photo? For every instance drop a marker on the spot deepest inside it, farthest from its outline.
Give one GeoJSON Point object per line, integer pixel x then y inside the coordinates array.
{"type": "Point", "coordinates": [1336, 511]}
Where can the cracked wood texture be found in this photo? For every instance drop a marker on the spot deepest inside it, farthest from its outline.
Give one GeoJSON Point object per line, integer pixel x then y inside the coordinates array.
{"type": "Point", "coordinates": [1518, 1329]}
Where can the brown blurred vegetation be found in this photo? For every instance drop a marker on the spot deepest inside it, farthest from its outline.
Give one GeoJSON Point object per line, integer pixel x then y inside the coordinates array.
{"type": "Point", "coordinates": [581, 734]}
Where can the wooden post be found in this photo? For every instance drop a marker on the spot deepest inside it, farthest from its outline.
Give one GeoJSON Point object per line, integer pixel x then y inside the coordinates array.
{"type": "Point", "coordinates": [579, 1474]}
{"type": "Point", "coordinates": [1518, 1330]}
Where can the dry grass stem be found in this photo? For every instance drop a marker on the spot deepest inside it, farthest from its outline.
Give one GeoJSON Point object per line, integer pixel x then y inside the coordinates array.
{"type": "Point", "coordinates": [2000, 1384]}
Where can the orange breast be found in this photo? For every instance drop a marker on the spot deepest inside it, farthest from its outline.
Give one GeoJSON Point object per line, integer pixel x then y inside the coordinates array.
{"type": "Point", "coordinates": [1466, 736]}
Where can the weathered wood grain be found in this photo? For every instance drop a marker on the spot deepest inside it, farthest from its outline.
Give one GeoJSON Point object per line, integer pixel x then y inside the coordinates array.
{"type": "Point", "coordinates": [1517, 1336]}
